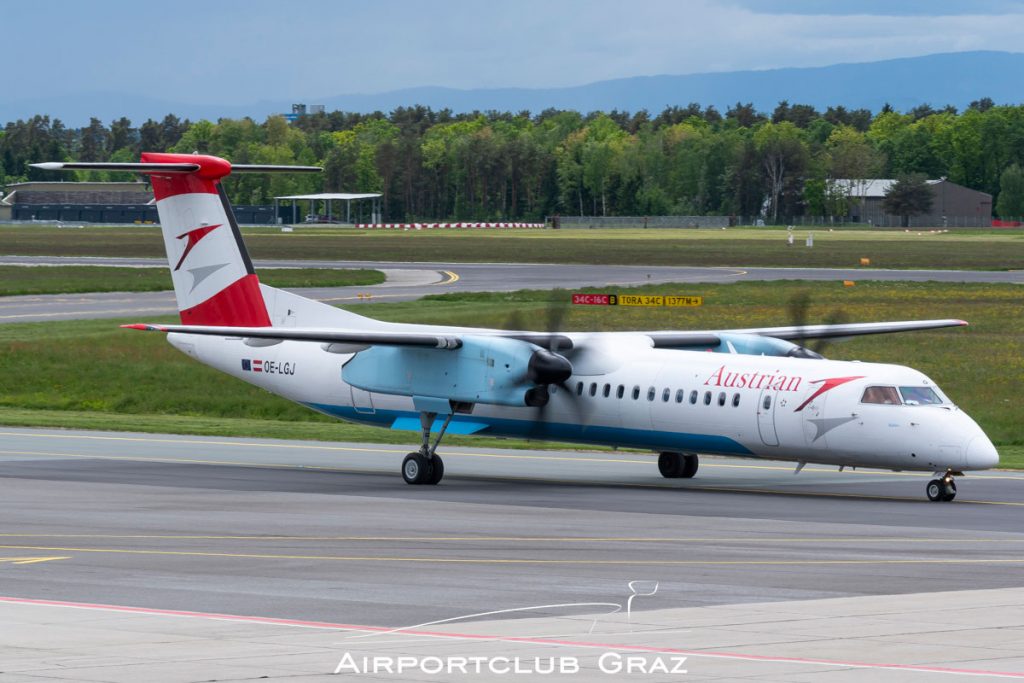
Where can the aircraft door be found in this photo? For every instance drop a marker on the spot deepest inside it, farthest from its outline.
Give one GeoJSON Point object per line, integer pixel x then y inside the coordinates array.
{"type": "Point", "coordinates": [766, 417]}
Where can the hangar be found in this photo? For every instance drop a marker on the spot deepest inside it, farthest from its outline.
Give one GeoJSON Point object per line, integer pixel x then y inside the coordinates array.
{"type": "Point", "coordinates": [97, 202]}
{"type": "Point", "coordinates": [953, 205]}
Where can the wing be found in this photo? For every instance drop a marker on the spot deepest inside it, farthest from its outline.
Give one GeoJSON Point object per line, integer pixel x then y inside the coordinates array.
{"type": "Point", "coordinates": [555, 342]}
{"type": "Point", "coordinates": [848, 329]}
{"type": "Point", "coordinates": [323, 336]}
{"type": "Point", "coordinates": [354, 338]}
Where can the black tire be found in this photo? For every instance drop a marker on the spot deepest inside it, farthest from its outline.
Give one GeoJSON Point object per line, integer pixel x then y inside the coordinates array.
{"type": "Point", "coordinates": [690, 465]}
{"type": "Point", "coordinates": [935, 490]}
{"type": "Point", "coordinates": [670, 465]}
{"type": "Point", "coordinates": [416, 469]}
{"type": "Point", "coordinates": [436, 470]}
{"type": "Point", "coordinates": [950, 490]}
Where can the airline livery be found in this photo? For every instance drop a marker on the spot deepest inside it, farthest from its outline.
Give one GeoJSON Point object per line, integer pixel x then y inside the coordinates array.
{"type": "Point", "coordinates": [758, 395]}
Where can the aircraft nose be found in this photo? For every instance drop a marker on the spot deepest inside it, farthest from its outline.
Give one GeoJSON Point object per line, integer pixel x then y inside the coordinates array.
{"type": "Point", "coordinates": [981, 454]}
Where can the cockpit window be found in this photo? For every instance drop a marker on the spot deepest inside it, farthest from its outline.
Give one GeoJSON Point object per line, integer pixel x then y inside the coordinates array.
{"type": "Point", "coordinates": [920, 396]}
{"type": "Point", "coordinates": [884, 395]}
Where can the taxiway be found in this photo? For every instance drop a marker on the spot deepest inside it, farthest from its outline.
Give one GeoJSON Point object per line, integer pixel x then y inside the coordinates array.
{"type": "Point", "coordinates": [408, 281]}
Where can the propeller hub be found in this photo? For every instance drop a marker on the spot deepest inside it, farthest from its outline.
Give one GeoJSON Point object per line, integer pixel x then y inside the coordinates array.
{"type": "Point", "coordinates": [546, 367]}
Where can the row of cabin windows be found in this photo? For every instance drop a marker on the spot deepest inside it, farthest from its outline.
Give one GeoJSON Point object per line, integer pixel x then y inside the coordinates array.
{"type": "Point", "coordinates": [652, 393]}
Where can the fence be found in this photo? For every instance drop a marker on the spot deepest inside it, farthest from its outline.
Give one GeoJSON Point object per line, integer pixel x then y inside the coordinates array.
{"type": "Point", "coordinates": [885, 221]}
{"type": "Point", "coordinates": [601, 222]}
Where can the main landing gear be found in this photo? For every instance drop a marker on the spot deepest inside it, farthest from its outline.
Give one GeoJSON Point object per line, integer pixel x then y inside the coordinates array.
{"type": "Point", "coordinates": [677, 465]}
{"type": "Point", "coordinates": [942, 490]}
{"type": "Point", "coordinates": [425, 465]}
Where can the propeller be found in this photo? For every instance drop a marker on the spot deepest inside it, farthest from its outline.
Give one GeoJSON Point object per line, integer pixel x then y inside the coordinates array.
{"type": "Point", "coordinates": [547, 369]}
{"type": "Point", "coordinates": [798, 305]}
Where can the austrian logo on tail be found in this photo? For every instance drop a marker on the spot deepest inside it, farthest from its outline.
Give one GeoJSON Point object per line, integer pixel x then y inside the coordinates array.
{"type": "Point", "coordinates": [193, 237]}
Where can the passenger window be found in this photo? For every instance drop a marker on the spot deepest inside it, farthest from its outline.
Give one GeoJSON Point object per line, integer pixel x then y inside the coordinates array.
{"type": "Point", "coordinates": [721, 399]}
{"type": "Point", "coordinates": [707, 398]}
{"type": "Point", "coordinates": [920, 396]}
{"type": "Point", "coordinates": [767, 404]}
{"type": "Point", "coordinates": [679, 396]}
{"type": "Point", "coordinates": [735, 400]}
{"type": "Point", "coordinates": [636, 393]}
{"type": "Point", "coordinates": [593, 388]}
{"type": "Point", "coordinates": [881, 395]}
{"type": "Point", "coordinates": [620, 392]}
{"type": "Point", "coordinates": [579, 388]}
{"type": "Point", "coordinates": [607, 390]}
{"type": "Point", "coordinates": [666, 395]}
{"type": "Point", "coordinates": [693, 397]}
{"type": "Point", "coordinates": [650, 394]}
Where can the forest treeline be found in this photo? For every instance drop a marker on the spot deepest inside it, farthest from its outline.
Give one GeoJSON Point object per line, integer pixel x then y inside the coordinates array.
{"type": "Point", "coordinates": [489, 166]}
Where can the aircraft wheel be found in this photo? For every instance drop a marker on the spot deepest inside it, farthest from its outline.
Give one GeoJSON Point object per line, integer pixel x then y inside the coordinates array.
{"type": "Point", "coordinates": [436, 470]}
{"type": "Point", "coordinates": [416, 469]}
{"type": "Point", "coordinates": [690, 465]}
{"type": "Point", "coordinates": [950, 490]}
{"type": "Point", "coordinates": [935, 490]}
{"type": "Point", "coordinates": [671, 465]}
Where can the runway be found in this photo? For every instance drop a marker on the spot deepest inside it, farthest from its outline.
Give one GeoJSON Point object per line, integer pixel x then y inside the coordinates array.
{"type": "Point", "coordinates": [329, 532]}
{"type": "Point", "coordinates": [408, 281]}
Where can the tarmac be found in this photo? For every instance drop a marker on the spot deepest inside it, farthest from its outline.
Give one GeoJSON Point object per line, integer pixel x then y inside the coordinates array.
{"type": "Point", "coordinates": [918, 637]}
{"type": "Point", "coordinates": [821, 575]}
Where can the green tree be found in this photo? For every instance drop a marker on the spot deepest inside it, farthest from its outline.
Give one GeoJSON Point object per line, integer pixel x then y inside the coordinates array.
{"type": "Point", "coordinates": [122, 136]}
{"type": "Point", "coordinates": [93, 142]}
{"type": "Point", "coordinates": [1011, 192]}
{"type": "Point", "coordinates": [909, 196]}
{"type": "Point", "coordinates": [851, 157]}
{"type": "Point", "coordinates": [783, 157]}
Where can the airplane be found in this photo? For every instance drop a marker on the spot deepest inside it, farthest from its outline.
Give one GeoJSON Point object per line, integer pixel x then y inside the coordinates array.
{"type": "Point", "coordinates": [757, 394]}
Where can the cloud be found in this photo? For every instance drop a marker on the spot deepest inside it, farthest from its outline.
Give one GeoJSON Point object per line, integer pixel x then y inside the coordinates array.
{"type": "Point", "coordinates": [241, 52]}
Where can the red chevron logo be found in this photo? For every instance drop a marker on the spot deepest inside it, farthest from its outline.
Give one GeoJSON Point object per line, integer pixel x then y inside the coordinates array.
{"type": "Point", "coordinates": [193, 238]}
{"type": "Point", "coordinates": [827, 384]}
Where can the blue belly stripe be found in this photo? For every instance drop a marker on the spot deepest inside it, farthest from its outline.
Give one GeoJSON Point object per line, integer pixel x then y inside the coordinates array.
{"type": "Point", "coordinates": [548, 431]}
{"type": "Point", "coordinates": [412, 424]}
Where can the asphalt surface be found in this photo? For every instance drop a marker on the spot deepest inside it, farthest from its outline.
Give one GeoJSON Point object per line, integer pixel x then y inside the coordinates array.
{"type": "Point", "coordinates": [408, 281]}
{"type": "Point", "coordinates": [329, 531]}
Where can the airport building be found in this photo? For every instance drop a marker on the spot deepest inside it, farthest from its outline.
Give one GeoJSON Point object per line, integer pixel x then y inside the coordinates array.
{"type": "Point", "coordinates": [97, 202]}
{"type": "Point", "coordinates": [953, 205]}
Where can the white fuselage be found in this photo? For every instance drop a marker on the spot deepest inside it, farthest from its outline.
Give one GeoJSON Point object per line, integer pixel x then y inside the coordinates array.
{"type": "Point", "coordinates": [624, 393]}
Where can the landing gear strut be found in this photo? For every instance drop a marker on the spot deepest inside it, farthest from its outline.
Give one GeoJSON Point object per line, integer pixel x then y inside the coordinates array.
{"type": "Point", "coordinates": [942, 490]}
{"type": "Point", "coordinates": [677, 465]}
{"type": "Point", "coordinates": [425, 465]}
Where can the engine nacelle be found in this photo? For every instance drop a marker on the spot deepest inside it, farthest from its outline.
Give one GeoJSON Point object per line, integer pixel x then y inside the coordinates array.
{"type": "Point", "coordinates": [756, 345]}
{"type": "Point", "coordinates": [492, 370]}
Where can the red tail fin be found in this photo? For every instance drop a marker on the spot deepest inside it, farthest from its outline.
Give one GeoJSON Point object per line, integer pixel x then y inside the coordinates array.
{"type": "Point", "coordinates": [214, 280]}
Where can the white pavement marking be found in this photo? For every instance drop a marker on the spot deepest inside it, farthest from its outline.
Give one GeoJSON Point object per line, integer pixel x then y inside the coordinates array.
{"type": "Point", "coordinates": [928, 636]}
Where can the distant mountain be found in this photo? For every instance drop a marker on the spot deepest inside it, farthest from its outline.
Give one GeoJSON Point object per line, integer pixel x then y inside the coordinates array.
{"type": "Point", "coordinates": [951, 78]}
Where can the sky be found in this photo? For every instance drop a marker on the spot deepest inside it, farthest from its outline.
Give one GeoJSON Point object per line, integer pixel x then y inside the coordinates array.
{"type": "Point", "coordinates": [246, 51]}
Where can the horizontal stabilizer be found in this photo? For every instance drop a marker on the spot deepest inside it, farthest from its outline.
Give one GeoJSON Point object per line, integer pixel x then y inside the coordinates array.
{"type": "Point", "coordinates": [265, 168]}
{"type": "Point", "coordinates": [116, 166]}
{"type": "Point", "coordinates": [143, 167]}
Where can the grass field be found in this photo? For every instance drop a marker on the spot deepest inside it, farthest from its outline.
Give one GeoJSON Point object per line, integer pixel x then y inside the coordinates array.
{"type": "Point", "coordinates": [91, 374]}
{"type": "Point", "coordinates": [69, 279]}
{"type": "Point", "coordinates": [982, 250]}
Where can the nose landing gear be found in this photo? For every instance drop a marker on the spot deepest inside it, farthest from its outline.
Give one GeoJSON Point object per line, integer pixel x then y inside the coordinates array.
{"type": "Point", "coordinates": [942, 490]}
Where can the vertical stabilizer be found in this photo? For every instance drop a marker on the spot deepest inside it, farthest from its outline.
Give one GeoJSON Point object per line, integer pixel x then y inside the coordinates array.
{"type": "Point", "coordinates": [214, 280]}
